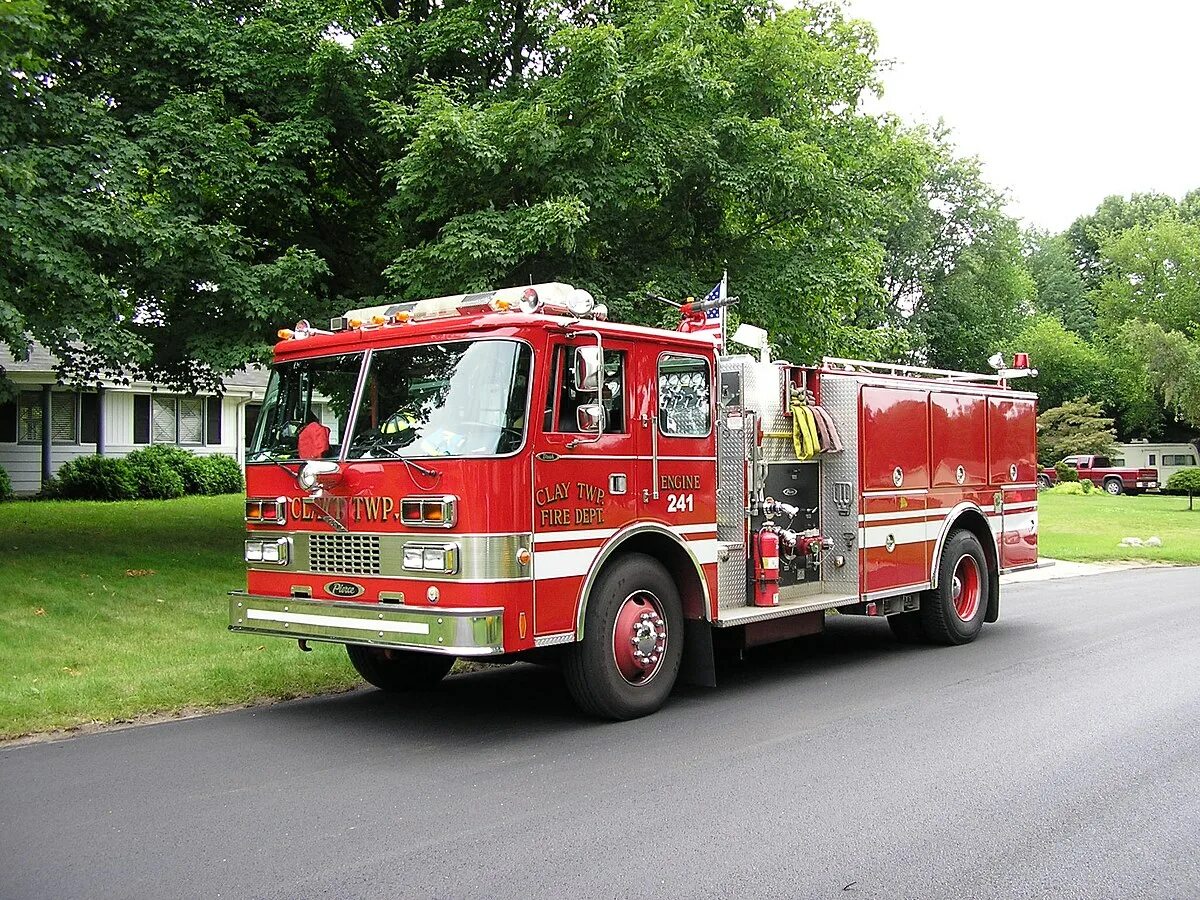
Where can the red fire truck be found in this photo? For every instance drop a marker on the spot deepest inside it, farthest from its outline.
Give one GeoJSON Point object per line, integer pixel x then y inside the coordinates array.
{"type": "Point", "coordinates": [508, 475]}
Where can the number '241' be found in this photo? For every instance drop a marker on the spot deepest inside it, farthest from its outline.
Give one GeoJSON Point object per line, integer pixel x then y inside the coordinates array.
{"type": "Point", "coordinates": [681, 503]}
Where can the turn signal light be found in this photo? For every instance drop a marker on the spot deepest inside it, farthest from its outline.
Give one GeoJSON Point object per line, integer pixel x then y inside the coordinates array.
{"type": "Point", "coordinates": [429, 512]}
{"type": "Point", "coordinates": [267, 512]}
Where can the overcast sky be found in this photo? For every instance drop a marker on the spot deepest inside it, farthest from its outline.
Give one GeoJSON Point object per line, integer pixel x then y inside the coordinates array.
{"type": "Point", "coordinates": [1065, 101]}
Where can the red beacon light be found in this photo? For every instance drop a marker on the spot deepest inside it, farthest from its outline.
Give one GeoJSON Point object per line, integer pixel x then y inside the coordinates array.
{"type": "Point", "coordinates": [530, 301]}
{"type": "Point", "coordinates": [1020, 361]}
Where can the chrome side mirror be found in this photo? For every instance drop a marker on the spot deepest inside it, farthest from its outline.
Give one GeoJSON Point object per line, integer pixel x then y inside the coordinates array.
{"type": "Point", "coordinates": [589, 418]}
{"type": "Point", "coordinates": [589, 366]}
{"type": "Point", "coordinates": [317, 474]}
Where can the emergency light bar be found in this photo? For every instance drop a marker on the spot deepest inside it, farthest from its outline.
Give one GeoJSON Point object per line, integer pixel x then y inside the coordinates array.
{"type": "Point", "coordinates": [554, 298]}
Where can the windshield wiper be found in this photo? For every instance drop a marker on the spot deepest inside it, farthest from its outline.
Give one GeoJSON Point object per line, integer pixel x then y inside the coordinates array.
{"type": "Point", "coordinates": [427, 472]}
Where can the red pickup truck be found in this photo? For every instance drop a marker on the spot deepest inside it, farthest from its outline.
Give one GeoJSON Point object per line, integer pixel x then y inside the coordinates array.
{"type": "Point", "coordinates": [1100, 472]}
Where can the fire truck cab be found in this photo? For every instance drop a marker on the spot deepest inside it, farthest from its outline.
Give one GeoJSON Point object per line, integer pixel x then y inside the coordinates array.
{"type": "Point", "coordinates": [508, 475]}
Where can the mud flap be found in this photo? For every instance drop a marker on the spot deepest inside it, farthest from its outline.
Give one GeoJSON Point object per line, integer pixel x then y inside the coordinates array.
{"type": "Point", "coordinates": [698, 665]}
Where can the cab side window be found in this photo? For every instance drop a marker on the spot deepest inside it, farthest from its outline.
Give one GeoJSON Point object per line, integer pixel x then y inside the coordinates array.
{"type": "Point", "coordinates": [684, 396]}
{"type": "Point", "coordinates": [562, 400]}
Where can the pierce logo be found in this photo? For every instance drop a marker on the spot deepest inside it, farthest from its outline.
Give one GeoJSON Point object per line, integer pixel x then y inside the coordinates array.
{"type": "Point", "coordinates": [344, 589]}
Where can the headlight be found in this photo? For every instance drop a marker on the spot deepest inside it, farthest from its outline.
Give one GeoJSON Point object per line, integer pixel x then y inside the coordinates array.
{"type": "Point", "coordinates": [442, 558]}
{"type": "Point", "coordinates": [274, 551]}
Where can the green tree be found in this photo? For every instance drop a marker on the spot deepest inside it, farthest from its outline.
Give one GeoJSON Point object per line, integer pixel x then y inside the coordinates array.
{"type": "Point", "coordinates": [180, 178]}
{"type": "Point", "coordinates": [1154, 275]}
{"type": "Point", "coordinates": [1115, 214]}
{"type": "Point", "coordinates": [1077, 426]}
{"type": "Point", "coordinates": [1185, 480]}
{"type": "Point", "coordinates": [1061, 291]}
{"type": "Point", "coordinates": [953, 270]}
{"type": "Point", "coordinates": [671, 141]}
{"type": "Point", "coordinates": [1172, 364]}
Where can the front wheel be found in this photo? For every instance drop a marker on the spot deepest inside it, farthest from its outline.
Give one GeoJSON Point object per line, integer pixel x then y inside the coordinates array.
{"type": "Point", "coordinates": [632, 645]}
{"type": "Point", "coordinates": [397, 671]}
{"type": "Point", "coordinates": [1043, 483]}
{"type": "Point", "coordinates": [953, 612]}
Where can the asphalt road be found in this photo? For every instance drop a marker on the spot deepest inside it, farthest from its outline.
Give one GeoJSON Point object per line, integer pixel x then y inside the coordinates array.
{"type": "Point", "coordinates": [1058, 756]}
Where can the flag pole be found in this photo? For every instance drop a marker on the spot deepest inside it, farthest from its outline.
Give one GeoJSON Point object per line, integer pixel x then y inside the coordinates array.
{"type": "Point", "coordinates": [724, 294]}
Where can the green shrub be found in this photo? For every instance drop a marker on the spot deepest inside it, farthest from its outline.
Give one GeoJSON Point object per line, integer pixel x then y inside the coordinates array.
{"type": "Point", "coordinates": [163, 471]}
{"type": "Point", "coordinates": [1185, 481]}
{"type": "Point", "coordinates": [156, 480]}
{"type": "Point", "coordinates": [1067, 487]}
{"type": "Point", "coordinates": [6, 491]}
{"type": "Point", "coordinates": [1087, 486]}
{"type": "Point", "coordinates": [224, 474]}
{"type": "Point", "coordinates": [93, 478]}
{"type": "Point", "coordinates": [1065, 473]}
{"type": "Point", "coordinates": [216, 474]}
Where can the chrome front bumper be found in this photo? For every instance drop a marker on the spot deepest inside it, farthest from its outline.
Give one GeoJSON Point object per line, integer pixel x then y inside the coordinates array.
{"type": "Point", "coordinates": [457, 632]}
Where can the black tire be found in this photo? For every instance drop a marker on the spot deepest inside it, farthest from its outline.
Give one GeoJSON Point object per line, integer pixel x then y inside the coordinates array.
{"type": "Point", "coordinates": [907, 627]}
{"type": "Point", "coordinates": [396, 671]}
{"type": "Point", "coordinates": [954, 616]}
{"type": "Point", "coordinates": [1043, 483]}
{"type": "Point", "coordinates": [629, 588]}
{"type": "Point", "coordinates": [1114, 486]}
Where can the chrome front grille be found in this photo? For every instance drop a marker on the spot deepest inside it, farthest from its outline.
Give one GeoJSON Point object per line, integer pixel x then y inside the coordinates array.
{"type": "Point", "coordinates": [344, 554]}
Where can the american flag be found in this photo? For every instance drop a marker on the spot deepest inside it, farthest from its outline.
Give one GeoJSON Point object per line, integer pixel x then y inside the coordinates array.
{"type": "Point", "coordinates": [714, 319]}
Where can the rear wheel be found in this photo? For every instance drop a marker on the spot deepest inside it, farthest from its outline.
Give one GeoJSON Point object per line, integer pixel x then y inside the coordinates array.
{"type": "Point", "coordinates": [396, 671]}
{"type": "Point", "coordinates": [632, 645]}
{"type": "Point", "coordinates": [953, 612]}
{"type": "Point", "coordinates": [1114, 486]}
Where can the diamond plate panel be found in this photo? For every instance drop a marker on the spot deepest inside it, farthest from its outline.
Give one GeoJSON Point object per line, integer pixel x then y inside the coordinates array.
{"type": "Point", "coordinates": [734, 447]}
{"type": "Point", "coordinates": [732, 589]}
{"type": "Point", "coordinates": [839, 481]}
{"type": "Point", "coordinates": [763, 386]}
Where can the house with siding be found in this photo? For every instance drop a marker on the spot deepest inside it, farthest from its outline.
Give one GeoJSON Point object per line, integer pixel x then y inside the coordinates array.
{"type": "Point", "coordinates": [48, 423]}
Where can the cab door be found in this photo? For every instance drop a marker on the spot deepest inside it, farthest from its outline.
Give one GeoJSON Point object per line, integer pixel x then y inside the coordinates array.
{"type": "Point", "coordinates": [676, 439]}
{"type": "Point", "coordinates": [583, 478]}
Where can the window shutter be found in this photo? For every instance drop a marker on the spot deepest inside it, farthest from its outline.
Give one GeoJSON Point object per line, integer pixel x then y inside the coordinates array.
{"type": "Point", "coordinates": [212, 421]}
{"type": "Point", "coordinates": [88, 418]}
{"type": "Point", "coordinates": [191, 420]}
{"type": "Point", "coordinates": [164, 424]}
{"type": "Point", "coordinates": [30, 428]}
{"type": "Point", "coordinates": [64, 427]}
{"type": "Point", "coordinates": [141, 418]}
{"type": "Point", "coordinates": [8, 422]}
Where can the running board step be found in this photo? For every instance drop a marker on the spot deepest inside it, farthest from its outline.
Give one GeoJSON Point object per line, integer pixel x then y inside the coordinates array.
{"type": "Point", "coordinates": [744, 615]}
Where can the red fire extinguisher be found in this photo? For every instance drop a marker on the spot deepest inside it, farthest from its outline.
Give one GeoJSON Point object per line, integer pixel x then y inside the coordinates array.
{"type": "Point", "coordinates": [766, 568]}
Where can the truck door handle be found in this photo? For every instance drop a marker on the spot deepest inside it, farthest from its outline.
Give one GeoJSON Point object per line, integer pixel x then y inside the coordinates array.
{"type": "Point", "coordinates": [617, 483]}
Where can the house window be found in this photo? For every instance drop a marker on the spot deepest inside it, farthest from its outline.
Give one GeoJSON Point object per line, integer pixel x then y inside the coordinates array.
{"type": "Point", "coordinates": [64, 417]}
{"type": "Point", "coordinates": [163, 419]}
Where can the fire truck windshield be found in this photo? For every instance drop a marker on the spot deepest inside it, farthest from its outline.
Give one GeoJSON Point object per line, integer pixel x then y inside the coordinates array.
{"type": "Point", "coordinates": [466, 398]}
{"type": "Point", "coordinates": [300, 392]}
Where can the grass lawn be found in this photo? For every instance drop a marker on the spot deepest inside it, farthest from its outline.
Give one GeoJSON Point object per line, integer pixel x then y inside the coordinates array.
{"type": "Point", "coordinates": [111, 610]}
{"type": "Point", "coordinates": [1089, 528]}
